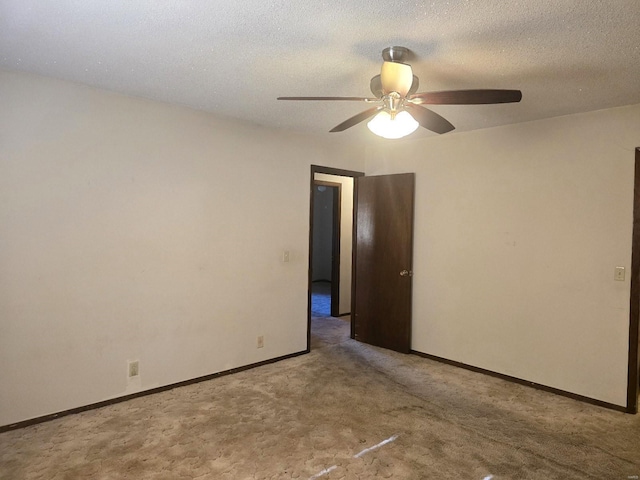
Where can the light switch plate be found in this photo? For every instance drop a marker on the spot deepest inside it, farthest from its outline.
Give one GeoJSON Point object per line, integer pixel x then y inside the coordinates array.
{"type": "Point", "coordinates": [618, 276]}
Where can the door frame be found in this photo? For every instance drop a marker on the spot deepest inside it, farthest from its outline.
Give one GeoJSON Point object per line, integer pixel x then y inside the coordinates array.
{"type": "Point", "coordinates": [335, 242]}
{"type": "Point", "coordinates": [633, 375]}
{"type": "Point", "coordinates": [330, 171]}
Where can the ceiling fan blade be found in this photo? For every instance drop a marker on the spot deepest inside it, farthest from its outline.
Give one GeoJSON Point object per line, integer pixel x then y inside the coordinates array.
{"type": "Point", "coordinates": [429, 119]}
{"type": "Point", "coordinates": [396, 77]}
{"type": "Point", "coordinates": [350, 99]}
{"type": "Point", "coordinates": [362, 116]}
{"type": "Point", "coordinates": [467, 97]}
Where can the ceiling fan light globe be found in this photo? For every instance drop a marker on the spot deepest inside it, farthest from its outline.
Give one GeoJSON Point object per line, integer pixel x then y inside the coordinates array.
{"type": "Point", "coordinates": [384, 126]}
{"type": "Point", "coordinates": [396, 77]}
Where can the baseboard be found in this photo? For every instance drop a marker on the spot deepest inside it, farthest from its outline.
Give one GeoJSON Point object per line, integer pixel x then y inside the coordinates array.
{"type": "Point", "coordinates": [124, 398]}
{"type": "Point", "coordinates": [520, 381]}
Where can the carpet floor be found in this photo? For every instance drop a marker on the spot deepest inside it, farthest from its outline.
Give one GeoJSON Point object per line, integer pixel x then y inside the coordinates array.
{"type": "Point", "coordinates": [345, 411]}
{"type": "Point", "coordinates": [321, 299]}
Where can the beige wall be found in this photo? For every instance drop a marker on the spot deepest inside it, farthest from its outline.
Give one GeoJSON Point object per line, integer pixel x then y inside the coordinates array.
{"type": "Point", "coordinates": [133, 230]}
{"type": "Point", "coordinates": [517, 233]}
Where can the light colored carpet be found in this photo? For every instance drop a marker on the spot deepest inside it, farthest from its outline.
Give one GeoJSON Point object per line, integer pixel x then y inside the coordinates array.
{"type": "Point", "coordinates": [345, 411]}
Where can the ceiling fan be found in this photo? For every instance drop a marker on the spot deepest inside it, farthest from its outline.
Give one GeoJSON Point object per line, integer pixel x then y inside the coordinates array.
{"type": "Point", "coordinates": [399, 111]}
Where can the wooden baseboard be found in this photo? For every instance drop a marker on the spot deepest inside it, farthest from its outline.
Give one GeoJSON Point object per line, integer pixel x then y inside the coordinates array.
{"type": "Point", "coordinates": [520, 381]}
{"type": "Point", "coordinates": [53, 416]}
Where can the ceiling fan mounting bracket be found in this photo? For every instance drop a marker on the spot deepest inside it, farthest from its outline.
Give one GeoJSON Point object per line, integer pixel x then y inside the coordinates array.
{"type": "Point", "coordinates": [395, 54]}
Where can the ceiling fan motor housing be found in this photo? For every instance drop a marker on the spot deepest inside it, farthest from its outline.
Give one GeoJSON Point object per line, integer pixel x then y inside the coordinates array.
{"type": "Point", "coordinates": [395, 54]}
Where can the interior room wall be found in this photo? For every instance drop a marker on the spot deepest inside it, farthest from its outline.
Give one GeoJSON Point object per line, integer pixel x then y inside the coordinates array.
{"type": "Point", "coordinates": [322, 234]}
{"type": "Point", "coordinates": [134, 230]}
{"type": "Point", "coordinates": [346, 228]}
{"type": "Point", "coordinates": [517, 233]}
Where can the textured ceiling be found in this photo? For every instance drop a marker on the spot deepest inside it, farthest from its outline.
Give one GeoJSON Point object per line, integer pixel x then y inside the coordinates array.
{"type": "Point", "coordinates": [234, 58]}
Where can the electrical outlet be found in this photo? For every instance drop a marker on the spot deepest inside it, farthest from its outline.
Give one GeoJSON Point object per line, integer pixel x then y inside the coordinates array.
{"type": "Point", "coordinates": [133, 368]}
{"type": "Point", "coordinates": [261, 341]}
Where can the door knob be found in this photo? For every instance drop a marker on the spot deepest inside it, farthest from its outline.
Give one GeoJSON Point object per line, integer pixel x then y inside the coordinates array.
{"type": "Point", "coordinates": [406, 273]}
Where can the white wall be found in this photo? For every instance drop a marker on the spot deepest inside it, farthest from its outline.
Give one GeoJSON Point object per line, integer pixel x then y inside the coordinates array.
{"type": "Point", "coordinates": [346, 229]}
{"type": "Point", "coordinates": [517, 233]}
{"type": "Point", "coordinates": [130, 230]}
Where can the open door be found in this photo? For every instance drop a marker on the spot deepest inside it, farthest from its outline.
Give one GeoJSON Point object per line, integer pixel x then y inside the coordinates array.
{"type": "Point", "coordinates": [382, 260]}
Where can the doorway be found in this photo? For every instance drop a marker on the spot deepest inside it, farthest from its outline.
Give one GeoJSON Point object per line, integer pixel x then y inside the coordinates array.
{"type": "Point", "coordinates": [325, 258]}
{"type": "Point", "coordinates": [331, 194]}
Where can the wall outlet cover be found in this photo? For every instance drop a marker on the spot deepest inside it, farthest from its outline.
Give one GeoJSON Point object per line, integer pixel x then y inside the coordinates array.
{"type": "Point", "coordinates": [133, 368]}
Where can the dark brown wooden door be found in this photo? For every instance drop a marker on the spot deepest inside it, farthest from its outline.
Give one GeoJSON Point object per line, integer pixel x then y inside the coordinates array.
{"type": "Point", "coordinates": [383, 246]}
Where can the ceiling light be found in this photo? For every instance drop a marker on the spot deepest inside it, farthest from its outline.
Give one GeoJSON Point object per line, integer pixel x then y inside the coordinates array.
{"type": "Point", "coordinates": [385, 126]}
